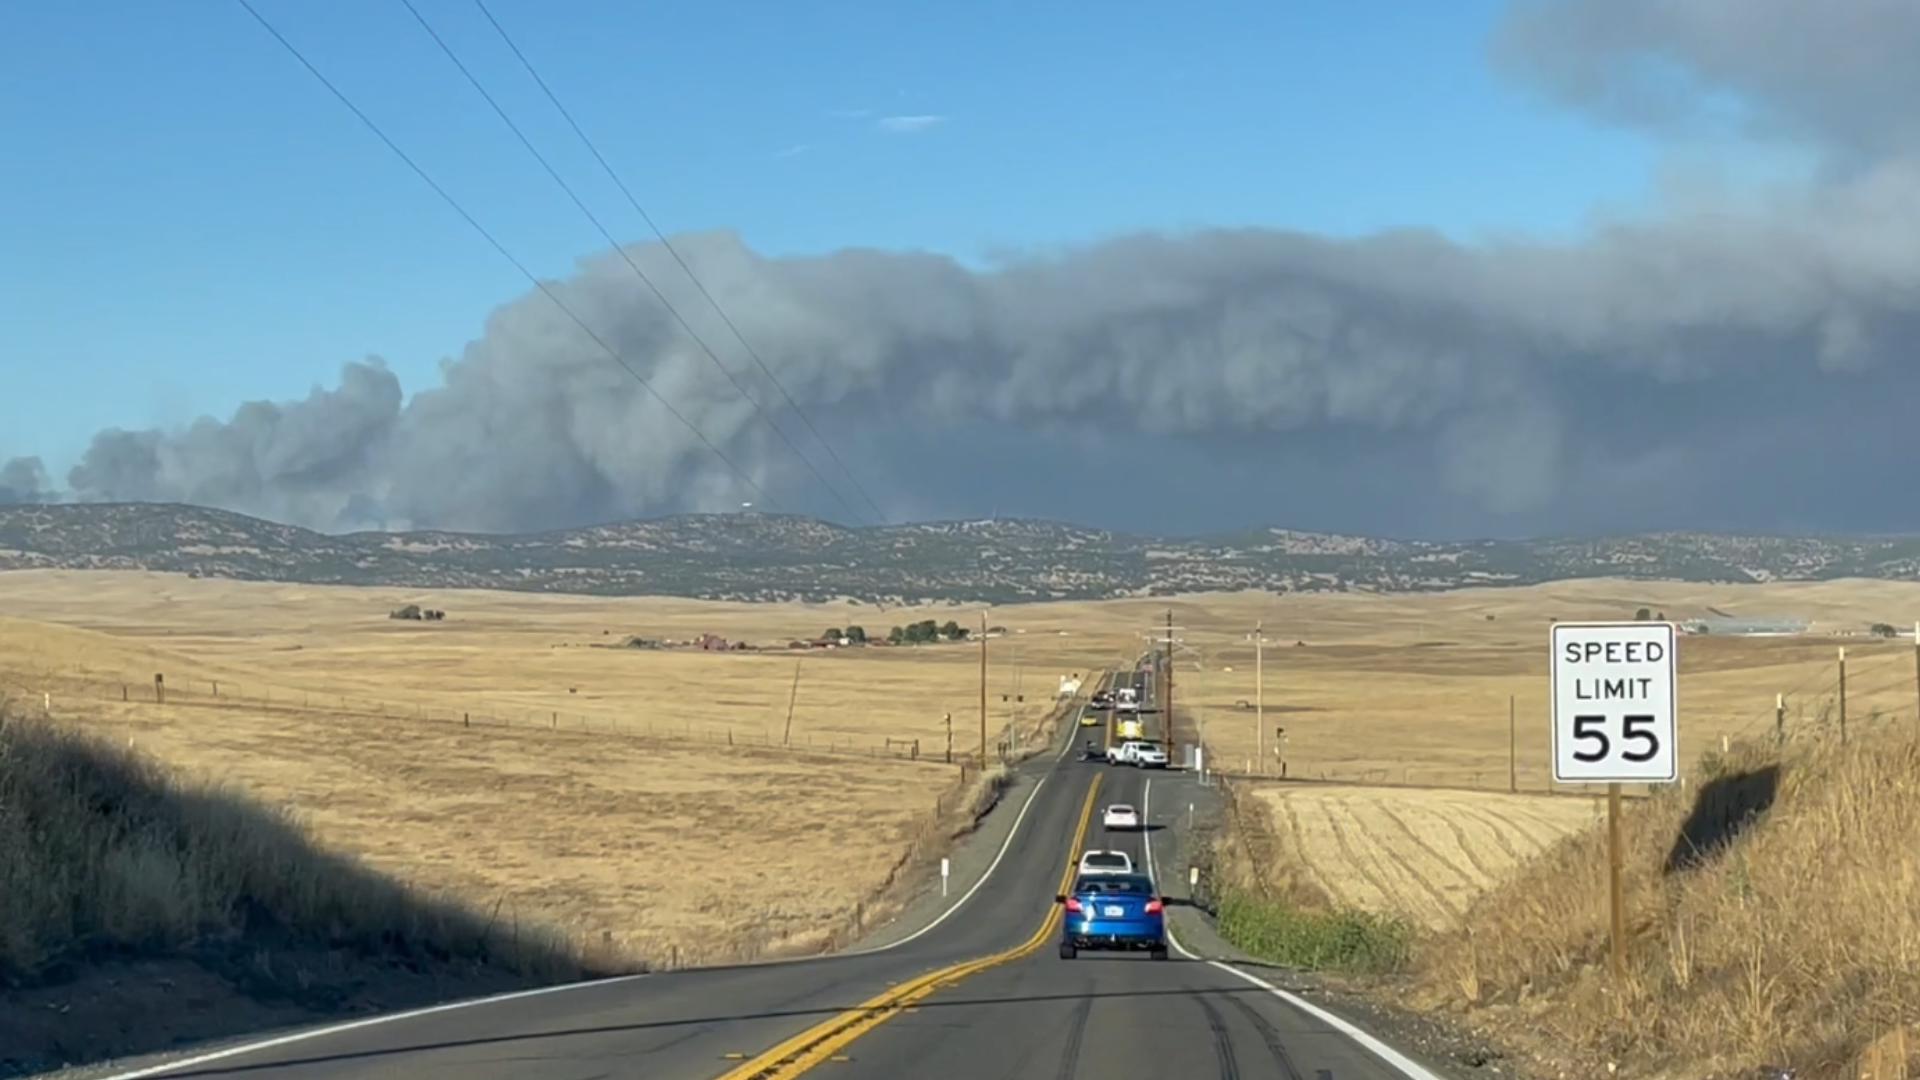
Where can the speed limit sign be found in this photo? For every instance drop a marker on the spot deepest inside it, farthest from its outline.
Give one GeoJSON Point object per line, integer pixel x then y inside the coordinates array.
{"type": "Point", "coordinates": [1613, 703]}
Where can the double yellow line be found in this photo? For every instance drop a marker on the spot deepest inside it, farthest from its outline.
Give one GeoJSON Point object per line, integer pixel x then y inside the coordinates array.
{"type": "Point", "coordinates": [827, 1038]}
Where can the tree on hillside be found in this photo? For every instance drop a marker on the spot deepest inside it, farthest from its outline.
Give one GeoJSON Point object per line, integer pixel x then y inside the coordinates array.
{"type": "Point", "coordinates": [1643, 615]}
{"type": "Point", "coordinates": [953, 631]}
{"type": "Point", "coordinates": [1881, 629]}
{"type": "Point", "coordinates": [896, 635]}
{"type": "Point", "coordinates": [833, 634]}
{"type": "Point", "coordinates": [856, 635]}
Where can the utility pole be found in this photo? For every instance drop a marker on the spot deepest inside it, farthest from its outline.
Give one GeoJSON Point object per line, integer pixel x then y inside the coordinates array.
{"type": "Point", "coordinates": [1167, 695]}
{"type": "Point", "coordinates": [1513, 751]}
{"type": "Point", "coordinates": [1259, 699]}
{"type": "Point", "coordinates": [983, 691]}
{"type": "Point", "coordinates": [1843, 693]}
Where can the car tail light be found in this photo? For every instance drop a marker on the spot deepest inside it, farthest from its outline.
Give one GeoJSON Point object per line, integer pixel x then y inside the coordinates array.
{"type": "Point", "coordinates": [1073, 904]}
{"type": "Point", "coordinates": [1154, 907]}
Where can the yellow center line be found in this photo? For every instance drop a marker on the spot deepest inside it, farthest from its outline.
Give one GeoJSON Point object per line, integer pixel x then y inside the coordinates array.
{"type": "Point", "coordinates": [822, 1041]}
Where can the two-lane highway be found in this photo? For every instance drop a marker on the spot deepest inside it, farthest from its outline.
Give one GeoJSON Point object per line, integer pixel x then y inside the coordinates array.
{"type": "Point", "coordinates": [1004, 1005]}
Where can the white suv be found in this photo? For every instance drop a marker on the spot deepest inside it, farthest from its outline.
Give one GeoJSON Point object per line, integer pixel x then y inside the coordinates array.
{"type": "Point", "coordinates": [1106, 862]}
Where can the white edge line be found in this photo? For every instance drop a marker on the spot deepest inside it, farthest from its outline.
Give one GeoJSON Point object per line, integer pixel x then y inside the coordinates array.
{"type": "Point", "coordinates": [389, 1018]}
{"type": "Point", "coordinates": [1012, 833]}
{"type": "Point", "coordinates": [351, 1025]}
{"type": "Point", "coordinates": [1407, 1066]}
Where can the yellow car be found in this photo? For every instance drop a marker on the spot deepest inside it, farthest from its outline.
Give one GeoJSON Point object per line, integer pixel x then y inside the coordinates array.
{"type": "Point", "coordinates": [1088, 718]}
{"type": "Point", "coordinates": [1131, 729]}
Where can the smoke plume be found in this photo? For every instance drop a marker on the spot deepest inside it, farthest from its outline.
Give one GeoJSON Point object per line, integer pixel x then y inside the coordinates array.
{"type": "Point", "coordinates": [1739, 366]}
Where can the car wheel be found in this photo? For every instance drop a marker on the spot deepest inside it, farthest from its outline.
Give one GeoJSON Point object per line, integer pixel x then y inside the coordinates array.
{"type": "Point", "coordinates": [1159, 953]}
{"type": "Point", "coordinates": [1067, 951]}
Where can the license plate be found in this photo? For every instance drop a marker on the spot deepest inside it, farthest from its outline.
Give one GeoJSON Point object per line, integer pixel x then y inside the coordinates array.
{"type": "Point", "coordinates": [1113, 911]}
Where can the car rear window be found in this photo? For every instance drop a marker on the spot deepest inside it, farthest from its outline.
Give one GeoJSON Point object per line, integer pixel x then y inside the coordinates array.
{"type": "Point", "coordinates": [1132, 884]}
{"type": "Point", "coordinates": [1105, 860]}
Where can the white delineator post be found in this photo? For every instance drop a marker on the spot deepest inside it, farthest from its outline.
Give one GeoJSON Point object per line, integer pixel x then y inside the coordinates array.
{"type": "Point", "coordinates": [944, 867]}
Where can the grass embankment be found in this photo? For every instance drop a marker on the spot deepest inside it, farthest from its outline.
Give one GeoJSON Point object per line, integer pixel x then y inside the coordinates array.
{"type": "Point", "coordinates": [118, 883]}
{"type": "Point", "coordinates": [1342, 939]}
{"type": "Point", "coordinates": [1774, 919]}
{"type": "Point", "coordinates": [1267, 904]}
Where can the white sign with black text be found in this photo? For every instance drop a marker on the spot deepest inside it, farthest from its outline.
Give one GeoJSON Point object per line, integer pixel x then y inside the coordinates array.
{"type": "Point", "coordinates": [1614, 703]}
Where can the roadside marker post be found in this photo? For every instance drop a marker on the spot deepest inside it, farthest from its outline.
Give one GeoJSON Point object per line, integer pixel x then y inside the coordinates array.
{"type": "Point", "coordinates": [1614, 692]}
{"type": "Point", "coordinates": [943, 878]}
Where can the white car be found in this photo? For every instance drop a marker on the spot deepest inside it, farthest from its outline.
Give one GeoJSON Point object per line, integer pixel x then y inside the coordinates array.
{"type": "Point", "coordinates": [1121, 816]}
{"type": "Point", "coordinates": [1149, 756]}
{"type": "Point", "coordinates": [1106, 862]}
{"type": "Point", "coordinates": [1137, 752]}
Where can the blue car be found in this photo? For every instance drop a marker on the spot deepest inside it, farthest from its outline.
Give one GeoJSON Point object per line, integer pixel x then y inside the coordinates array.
{"type": "Point", "coordinates": [1113, 911]}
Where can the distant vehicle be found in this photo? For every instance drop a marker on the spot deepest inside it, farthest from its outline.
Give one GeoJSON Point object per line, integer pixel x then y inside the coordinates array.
{"type": "Point", "coordinates": [1101, 699]}
{"type": "Point", "coordinates": [1113, 911]}
{"type": "Point", "coordinates": [1127, 699]}
{"type": "Point", "coordinates": [1088, 718]}
{"type": "Point", "coordinates": [1132, 729]}
{"type": "Point", "coordinates": [1120, 816]}
{"type": "Point", "coordinates": [1137, 752]}
{"type": "Point", "coordinates": [1105, 862]}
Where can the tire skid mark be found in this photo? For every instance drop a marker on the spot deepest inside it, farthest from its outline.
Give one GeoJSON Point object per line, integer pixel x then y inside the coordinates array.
{"type": "Point", "coordinates": [1275, 1044]}
{"type": "Point", "coordinates": [1222, 1039]}
{"type": "Point", "coordinates": [1076, 1035]}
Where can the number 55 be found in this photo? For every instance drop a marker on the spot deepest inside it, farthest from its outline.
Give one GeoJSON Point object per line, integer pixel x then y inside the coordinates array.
{"type": "Point", "coordinates": [1587, 729]}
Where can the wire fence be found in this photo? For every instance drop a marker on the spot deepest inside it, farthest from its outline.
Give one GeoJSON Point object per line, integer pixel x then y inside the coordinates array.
{"type": "Point", "coordinates": [209, 697]}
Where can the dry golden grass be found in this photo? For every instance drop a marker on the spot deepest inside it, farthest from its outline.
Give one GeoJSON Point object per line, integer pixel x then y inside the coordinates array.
{"type": "Point", "coordinates": [1795, 942]}
{"type": "Point", "coordinates": [593, 833]}
{"type": "Point", "coordinates": [1414, 687]}
{"type": "Point", "coordinates": [525, 657]}
{"type": "Point", "coordinates": [1422, 856]}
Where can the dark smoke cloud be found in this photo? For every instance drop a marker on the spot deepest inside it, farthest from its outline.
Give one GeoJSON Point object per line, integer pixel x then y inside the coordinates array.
{"type": "Point", "coordinates": [1725, 367]}
{"type": "Point", "coordinates": [24, 480]}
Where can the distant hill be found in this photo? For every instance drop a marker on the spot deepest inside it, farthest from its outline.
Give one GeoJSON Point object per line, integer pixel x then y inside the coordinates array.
{"type": "Point", "coordinates": [780, 557]}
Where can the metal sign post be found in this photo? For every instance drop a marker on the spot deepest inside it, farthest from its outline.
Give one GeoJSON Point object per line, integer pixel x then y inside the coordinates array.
{"type": "Point", "coordinates": [1614, 722]}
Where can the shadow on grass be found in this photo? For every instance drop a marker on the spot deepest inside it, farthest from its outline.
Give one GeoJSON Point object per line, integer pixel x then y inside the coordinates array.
{"type": "Point", "coordinates": [142, 912]}
{"type": "Point", "coordinates": [1726, 806]}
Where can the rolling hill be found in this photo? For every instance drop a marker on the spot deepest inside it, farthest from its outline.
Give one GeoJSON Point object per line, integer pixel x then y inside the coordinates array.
{"type": "Point", "coordinates": [780, 557]}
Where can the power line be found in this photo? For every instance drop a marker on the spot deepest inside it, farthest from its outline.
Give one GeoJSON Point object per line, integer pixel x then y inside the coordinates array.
{"type": "Point", "coordinates": [504, 253]}
{"type": "Point", "coordinates": [621, 250]}
{"type": "Point", "coordinates": [675, 252]}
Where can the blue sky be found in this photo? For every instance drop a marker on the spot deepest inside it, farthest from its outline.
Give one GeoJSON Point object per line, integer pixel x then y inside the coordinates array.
{"type": "Point", "coordinates": [190, 221]}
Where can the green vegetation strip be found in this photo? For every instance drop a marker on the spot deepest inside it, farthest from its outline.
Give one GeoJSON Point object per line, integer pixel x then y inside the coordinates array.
{"type": "Point", "coordinates": [1341, 940]}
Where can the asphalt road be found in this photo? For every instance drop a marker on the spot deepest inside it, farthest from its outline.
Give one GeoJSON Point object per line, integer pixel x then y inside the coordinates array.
{"type": "Point", "coordinates": [1106, 1016]}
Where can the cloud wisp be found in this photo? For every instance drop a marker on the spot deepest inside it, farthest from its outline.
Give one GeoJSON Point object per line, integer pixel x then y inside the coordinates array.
{"type": "Point", "coordinates": [912, 124]}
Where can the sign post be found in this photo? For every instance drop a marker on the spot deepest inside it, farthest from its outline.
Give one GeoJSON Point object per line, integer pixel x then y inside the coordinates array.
{"type": "Point", "coordinates": [1614, 704]}
{"type": "Point", "coordinates": [943, 879]}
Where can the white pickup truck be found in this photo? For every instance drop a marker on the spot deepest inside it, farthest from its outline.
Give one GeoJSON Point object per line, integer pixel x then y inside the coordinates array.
{"type": "Point", "coordinates": [1137, 752]}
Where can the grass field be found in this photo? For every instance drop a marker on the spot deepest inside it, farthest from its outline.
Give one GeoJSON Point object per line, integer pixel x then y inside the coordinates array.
{"type": "Point", "coordinates": [593, 831]}
{"type": "Point", "coordinates": [1414, 688]}
{"type": "Point", "coordinates": [1424, 856]}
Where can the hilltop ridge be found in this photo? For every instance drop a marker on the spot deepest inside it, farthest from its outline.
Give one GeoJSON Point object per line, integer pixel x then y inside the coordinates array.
{"type": "Point", "coordinates": [755, 556]}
